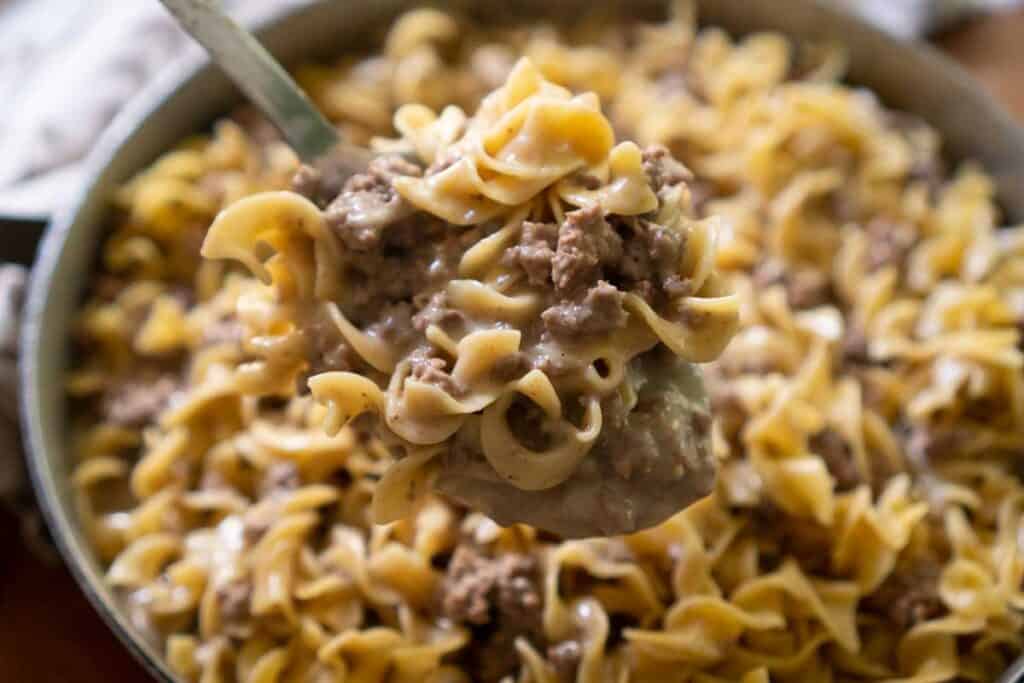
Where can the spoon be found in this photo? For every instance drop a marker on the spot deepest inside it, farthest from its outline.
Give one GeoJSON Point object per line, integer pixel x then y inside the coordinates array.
{"type": "Point", "coordinates": [267, 85]}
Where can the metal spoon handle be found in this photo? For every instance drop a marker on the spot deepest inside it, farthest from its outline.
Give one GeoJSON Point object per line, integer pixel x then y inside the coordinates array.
{"type": "Point", "coordinates": [255, 71]}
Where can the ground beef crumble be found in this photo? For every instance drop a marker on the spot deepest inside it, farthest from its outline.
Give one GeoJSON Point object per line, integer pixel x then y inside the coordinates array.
{"type": "Point", "coordinates": [597, 312]}
{"type": "Point", "coordinates": [909, 595]}
{"type": "Point", "coordinates": [662, 169]}
{"type": "Point", "coordinates": [233, 599]}
{"type": "Point", "coordinates": [889, 243]}
{"type": "Point", "coordinates": [832, 448]}
{"type": "Point", "coordinates": [500, 598]}
{"type": "Point", "coordinates": [535, 251]}
{"type": "Point", "coordinates": [136, 403]}
{"type": "Point", "coordinates": [586, 242]}
{"type": "Point", "coordinates": [805, 287]}
{"type": "Point", "coordinates": [369, 206]}
{"type": "Point", "coordinates": [434, 371]}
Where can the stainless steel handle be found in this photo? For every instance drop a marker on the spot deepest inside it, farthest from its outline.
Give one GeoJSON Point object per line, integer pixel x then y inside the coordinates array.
{"type": "Point", "coordinates": [255, 71]}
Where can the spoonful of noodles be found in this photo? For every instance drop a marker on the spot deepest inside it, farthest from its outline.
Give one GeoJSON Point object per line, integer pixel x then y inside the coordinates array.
{"type": "Point", "coordinates": [510, 301]}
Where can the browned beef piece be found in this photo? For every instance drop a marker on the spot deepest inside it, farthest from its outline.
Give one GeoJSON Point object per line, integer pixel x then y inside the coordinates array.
{"type": "Point", "coordinates": [395, 325]}
{"type": "Point", "coordinates": [433, 371]}
{"type": "Point", "coordinates": [234, 599]}
{"type": "Point", "coordinates": [308, 181]}
{"type": "Point", "coordinates": [281, 477]}
{"type": "Point", "coordinates": [889, 243]}
{"type": "Point", "coordinates": [926, 444]}
{"type": "Point", "coordinates": [598, 312]}
{"type": "Point", "coordinates": [137, 402]}
{"type": "Point", "coordinates": [803, 540]}
{"type": "Point", "coordinates": [586, 242]}
{"type": "Point", "coordinates": [910, 594]}
{"type": "Point", "coordinates": [369, 211]}
{"type": "Point", "coordinates": [478, 589]}
{"type": "Point", "coordinates": [535, 251]}
{"type": "Point", "coordinates": [501, 597]}
{"type": "Point", "coordinates": [830, 445]}
{"type": "Point", "coordinates": [854, 347]}
{"type": "Point", "coordinates": [651, 256]}
{"type": "Point", "coordinates": [437, 312]}
{"type": "Point", "coordinates": [326, 348]}
{"type": "Point", "coordinates": [662, 169]}
{"type": "Point", "coordinates": [806, 287]}
{"type": "Point", "coordinates": [565, 659]}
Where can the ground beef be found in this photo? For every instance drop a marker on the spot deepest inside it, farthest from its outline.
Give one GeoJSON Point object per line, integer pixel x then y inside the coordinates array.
{"type": "Point", "coordinates": [832, 448]}
{"type": "Point", "coordinates": [598, 312]}
{"type": "Point", "coordinates": [804, 540]}
{"type": "Point", "coordinates": [586, 242]}
{"type": "Point", "coordinates": [806, 287]}
{"type": "Point", "coordinates": [136, 403]}
{"type": "Point", "coordinates": [909, 595]}
{"type": "Point", "coordinates": [650, 260]}
{"type": "Point", "coordinates": [662, 169]}
{"type": "Point", "coordinates": [233, 599]}
{"type": "Point", "coordinates": [565, 659]}
{"type": "Point", "coordinates": [926, 444]}
{"type": "Point", "coordinates": [854, 347]}
{"type": "Point", "coordinates": [307, 181]}
{"type": "Point", "coordinates": [326, 348]}
{"type": "Point", "coordinates": [394, 325]}
{"type": "Point", "coordinates": [635, 437]}
{"type": "Point", "coordinates": [433, 371]}
{"type": "Point", "coordinates": [889, 243]}
{"type": "Point", "coordinates": [282, 476]}
{"type": "Point", "coordinates": [535, 251]}
{"type": "Point", "coordinates": [369, 211]}
{"type": "Point", "coordinates": [500, 598]}
{"type": "Point", "coordinates": [437, 312]}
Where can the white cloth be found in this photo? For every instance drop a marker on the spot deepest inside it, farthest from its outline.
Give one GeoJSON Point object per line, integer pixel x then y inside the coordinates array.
{"type": "Point", "coordinates": [66, 68]}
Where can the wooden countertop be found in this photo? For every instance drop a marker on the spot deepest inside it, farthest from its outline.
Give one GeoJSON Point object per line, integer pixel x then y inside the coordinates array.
{"type": "Point", "coordinates": [50, 633]}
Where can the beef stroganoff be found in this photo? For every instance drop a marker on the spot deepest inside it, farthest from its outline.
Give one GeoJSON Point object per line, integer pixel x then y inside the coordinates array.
{"type": "Point", "coordinates": [868, 417]}
{"type": "Point", "coordinates": [493, 304]}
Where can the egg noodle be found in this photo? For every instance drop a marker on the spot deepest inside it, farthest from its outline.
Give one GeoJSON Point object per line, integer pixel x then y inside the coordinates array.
{"type": "Point", "coordinates": [869, 414]}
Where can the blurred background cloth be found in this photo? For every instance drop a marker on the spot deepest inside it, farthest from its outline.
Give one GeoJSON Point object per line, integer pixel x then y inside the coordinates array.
{"type": "Point", "coordinates": [66, 69]}
{"type": "Point", "coordinates": [68, 66]}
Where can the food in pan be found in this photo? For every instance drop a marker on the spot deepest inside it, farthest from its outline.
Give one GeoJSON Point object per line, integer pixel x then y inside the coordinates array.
{"type": "Point", "coordinates": [868, 415]}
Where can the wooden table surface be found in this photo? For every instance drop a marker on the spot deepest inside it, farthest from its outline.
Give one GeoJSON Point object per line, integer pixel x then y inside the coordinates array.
{"type": "Point", "coordinates": [49, 632]}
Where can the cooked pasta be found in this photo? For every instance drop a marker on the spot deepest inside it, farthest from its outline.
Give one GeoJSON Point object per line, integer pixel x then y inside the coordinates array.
{"type": "Point", "coordinates": [868, 415]}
